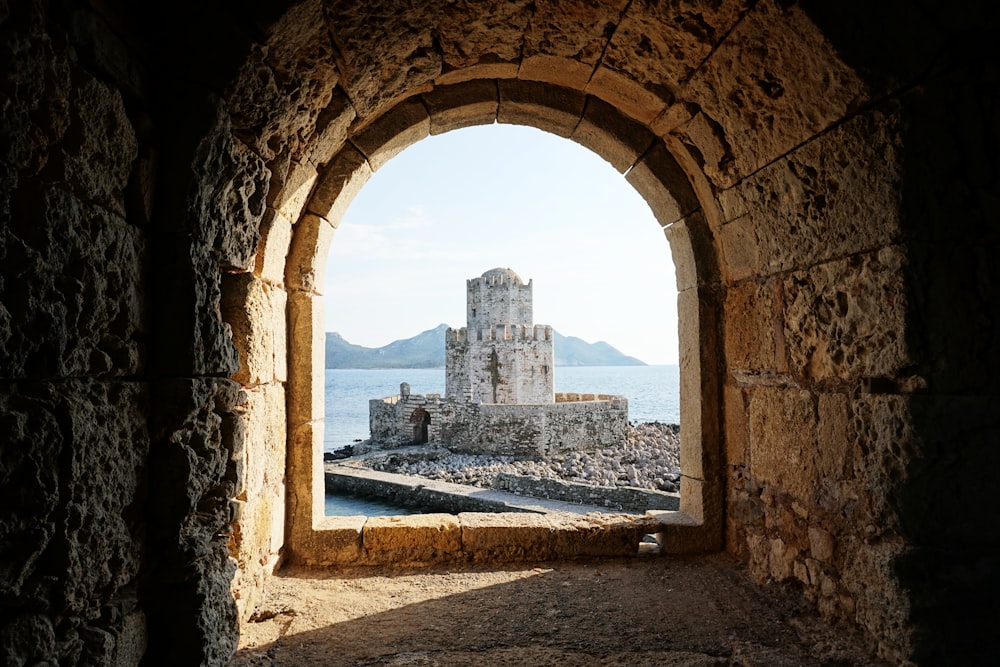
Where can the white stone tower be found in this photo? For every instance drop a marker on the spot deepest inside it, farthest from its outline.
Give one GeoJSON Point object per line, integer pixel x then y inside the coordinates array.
{"type": "Point", "coordinates": [500, 356]}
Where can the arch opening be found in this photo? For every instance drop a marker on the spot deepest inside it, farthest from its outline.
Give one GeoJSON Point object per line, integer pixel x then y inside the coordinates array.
{"type": "Point", "coordinates": [598, 268]}
{"type": "Point", "coordinates": [647, 165]}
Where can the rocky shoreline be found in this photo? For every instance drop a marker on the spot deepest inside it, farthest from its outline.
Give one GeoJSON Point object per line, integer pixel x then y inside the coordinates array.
{"type": "Point", "coordinates": [650, 459]}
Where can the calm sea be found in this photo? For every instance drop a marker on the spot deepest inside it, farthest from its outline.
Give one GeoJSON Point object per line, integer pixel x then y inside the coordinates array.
{"type": "Point", "coordinates": [653, 393]}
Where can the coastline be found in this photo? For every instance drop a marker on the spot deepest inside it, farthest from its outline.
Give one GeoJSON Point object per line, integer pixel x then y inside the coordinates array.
{"type": "Point", "coordinates": [650, 459]}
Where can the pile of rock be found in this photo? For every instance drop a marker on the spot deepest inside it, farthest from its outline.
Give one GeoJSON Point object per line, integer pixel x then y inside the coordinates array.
{"type": "Point", "coordinates": [650, 459]}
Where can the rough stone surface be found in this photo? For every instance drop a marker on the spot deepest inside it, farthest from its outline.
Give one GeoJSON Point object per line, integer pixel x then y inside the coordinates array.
{"type": "Point", "coordinates": [419, 538]}
{"type": "Point", "coordinates": [757, 82]}
{"type": "Point", "coordinates": [284, 85]}
{"type": "Point", "coordinates": [674, 39]}
{"type": "Point", "coordinates": [847, 318]}
{"type": "Point", "coordinates": [835, 196]}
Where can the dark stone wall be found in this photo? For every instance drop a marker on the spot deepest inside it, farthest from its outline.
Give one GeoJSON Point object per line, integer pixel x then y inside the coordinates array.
{"type": "Point", "coordinates": [123, 196]}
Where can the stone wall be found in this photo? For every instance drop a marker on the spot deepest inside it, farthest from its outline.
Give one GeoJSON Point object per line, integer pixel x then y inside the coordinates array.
{"type": "Point", "coordinates": [531, 431]}
{"type": "Point", "coordinates": [624, 498]}
{"type": "Point", "coordinates": [391, 422]}
{"type": "Point", "coordinates": [508, 364]}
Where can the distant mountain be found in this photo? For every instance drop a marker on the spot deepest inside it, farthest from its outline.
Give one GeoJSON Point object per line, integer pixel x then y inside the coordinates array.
{"type": "Point", "coordinates": [426, 350]}
{"type": "Point", "coordinates": [573, 351]}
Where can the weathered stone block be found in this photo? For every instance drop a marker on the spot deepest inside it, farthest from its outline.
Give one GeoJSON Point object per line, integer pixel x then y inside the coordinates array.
{"type": "Point", "coordinates": [613, 136]}
{"type": "Point", "coordinates": [336, 540]}
{"type": "Point", "coordinates": [306, 373]}
{"type": "Point", "coordinates": [71, 307]}
{"type": "Point", "coordinates": [104, 147]}
{"type": "Point", "coordinates": [847, 318]}
{"type": "Point", "coordinates": [305, 496]}
{"type": "Point", "coordinates": [471, 34]}
{"type": "Point", "coordinates": [578, 33]}
{"type": "Point", "coordinates": [783, 438]}
{"type": "Point", "coordinates": [67, 521]}
{"type": "Point", "coordinates": [506, 537]}
{"type": "Point", "coordinates": [751, 326]}
{"type": "Point", "coordinates": [255, 312]}
{"type": "Point", "coordinates": [737, 429]}
{"type": "Point", "coordinates": [740, 254]}
{"type": "Point", "coordinates": [664, 186]}
{"type": "Point", "coordinates": [692, 260]}
{"type": "Point", "coordinates": [594, 536]}
{"type": "Point", "coordinates": [487, 68]}
{"type": "Point", "coordinates": [275, 239]}
{"type": "Point", "coordinates": [704, 139]}
{"type": "Point", "coordinates": [413, 539]}
{"type": "Point", "coordinates": [625, 94]}
{"type": "Point", "coordinates": [231, 197]}
{"type": "Point", "coordinates": [386, 136]}
{"type": "Point", "coordinates": [332, 126]}
{"type": "Point", "coordinates": [285, 83]}
{"type": "Point", "coordinates": [457, 106]}
{"type": "Point", "coordinates": [689, 310]}
{"type": "Point", "coordinates": [406, 59]}
{"type": "Point", "coordinates": [547, 107]}
{"type": "Point", "coordinates": [290, 199]}
{"type": "Point", "coordinates": [833, 439]}
{"type": "Point", "coordinates": [556, 70]}
{"type": "Point", "coordinates": [759, 82]}
{"type": "Point", "coordinates": [676, 37]}
{"type": "Point", "coordinates": [263, 414]}
{"type": "Point", "coordinates": [339, 182]}
{"type": "Point", "coordinates": [834, 196]}
{"type": "Point", "coordinates": [306, 264]}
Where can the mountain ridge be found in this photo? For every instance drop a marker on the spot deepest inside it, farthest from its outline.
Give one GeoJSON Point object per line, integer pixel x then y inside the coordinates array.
{"type": "Point", "coordinates": [426, 350]}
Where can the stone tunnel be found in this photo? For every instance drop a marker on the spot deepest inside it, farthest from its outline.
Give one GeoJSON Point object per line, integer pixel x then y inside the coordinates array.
{"type": "Point", "coordinates": [826, 175]}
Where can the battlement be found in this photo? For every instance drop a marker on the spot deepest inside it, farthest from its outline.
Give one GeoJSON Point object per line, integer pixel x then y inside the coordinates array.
{"type": "Point", "coordinates": [504, 332]}
{"type": "Point", "coordinates": [499, 278]}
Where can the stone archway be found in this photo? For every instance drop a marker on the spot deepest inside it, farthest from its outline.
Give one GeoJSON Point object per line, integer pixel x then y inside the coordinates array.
{"type": "Point", "coordinates": [421, 420]}
{"type": "Point", "coordinates": [628, 145]}
{"type": "Point", "coordinates": [712, 118]}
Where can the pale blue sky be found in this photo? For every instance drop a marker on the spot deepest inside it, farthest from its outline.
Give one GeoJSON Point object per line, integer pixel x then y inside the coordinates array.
{"type": "Point", "coordinates": [455, 205]}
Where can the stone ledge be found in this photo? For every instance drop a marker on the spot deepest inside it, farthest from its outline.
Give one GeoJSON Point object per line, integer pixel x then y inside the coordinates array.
{"type": "Point", "coordinates": [536, 534]}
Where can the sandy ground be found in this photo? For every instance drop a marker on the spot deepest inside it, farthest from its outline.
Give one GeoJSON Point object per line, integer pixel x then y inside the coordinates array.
{"type": "Point", "coordinates": [648, 610]}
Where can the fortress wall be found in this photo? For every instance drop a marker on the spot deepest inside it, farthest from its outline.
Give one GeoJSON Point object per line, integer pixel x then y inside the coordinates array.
{"type": "Point", "coordinates": [389, 419]}
{"type": "Point", "coordinates": [509, 371]}
{"type": "Point", "coordinates": [536, 430]}
{"type": "Point", "coordinates": [456, 374]}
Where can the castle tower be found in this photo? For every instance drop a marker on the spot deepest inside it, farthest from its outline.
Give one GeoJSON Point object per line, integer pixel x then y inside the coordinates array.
{"type": "Point", "coordinates": [500, 356]}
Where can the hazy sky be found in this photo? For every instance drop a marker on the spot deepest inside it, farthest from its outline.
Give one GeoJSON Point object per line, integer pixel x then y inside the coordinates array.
{"type": "Point", "coordinates": [455, 205]}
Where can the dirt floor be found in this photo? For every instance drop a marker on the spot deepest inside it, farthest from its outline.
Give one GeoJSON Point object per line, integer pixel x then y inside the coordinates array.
{"type": "Point", "coordinates": [648, 610]}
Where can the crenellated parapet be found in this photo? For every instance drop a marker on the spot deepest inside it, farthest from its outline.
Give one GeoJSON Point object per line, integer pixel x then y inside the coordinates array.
{"type": "Point", "coordinates": [500, 332]}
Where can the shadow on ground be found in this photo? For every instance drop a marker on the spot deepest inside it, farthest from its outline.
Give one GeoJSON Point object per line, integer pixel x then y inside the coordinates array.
{"type": "Point", "coordinates": [652, 610]}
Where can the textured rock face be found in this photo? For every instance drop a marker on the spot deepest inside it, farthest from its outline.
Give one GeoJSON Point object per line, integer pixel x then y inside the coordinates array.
{"type": "Point", "coordinates": [829, 190]}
